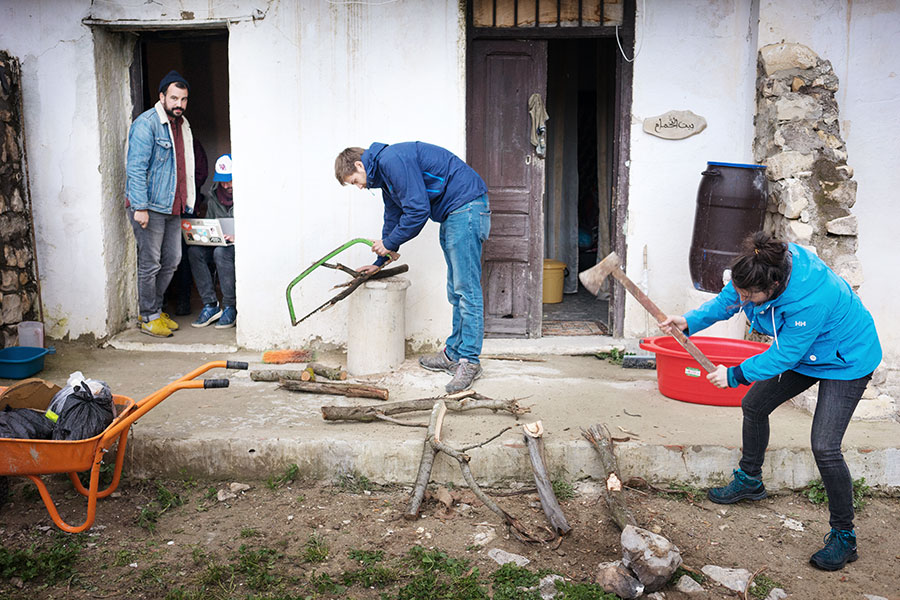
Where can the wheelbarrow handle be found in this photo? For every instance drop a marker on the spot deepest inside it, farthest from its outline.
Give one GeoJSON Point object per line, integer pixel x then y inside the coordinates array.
{"type": "Point", "coordinates": [236, 364]}
{"type": "Point", "coordinates": [215, 383]}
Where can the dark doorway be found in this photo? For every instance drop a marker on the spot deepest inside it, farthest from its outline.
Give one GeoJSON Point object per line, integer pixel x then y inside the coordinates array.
{"type": "Point", "coordinates": [201, 56]}
{"type": "Point", "coordinates": [573, 168]}
{"type": "Point", "coordinates": [580, 171]}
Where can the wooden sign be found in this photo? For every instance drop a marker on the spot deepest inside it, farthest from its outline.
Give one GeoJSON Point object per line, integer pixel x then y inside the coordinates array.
{"type": "Point", "coordinates": [675, 125]}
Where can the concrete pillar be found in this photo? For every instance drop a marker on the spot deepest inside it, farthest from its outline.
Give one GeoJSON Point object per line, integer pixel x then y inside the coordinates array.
{"type": "Point", "coordinates": [376, 327]}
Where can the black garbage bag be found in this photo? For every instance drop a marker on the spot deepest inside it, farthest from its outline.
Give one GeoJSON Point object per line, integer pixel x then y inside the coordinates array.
{"type": "Point", "coordinates": [25, 424]}
{"type": "Point", "coordinates": [83, 414]}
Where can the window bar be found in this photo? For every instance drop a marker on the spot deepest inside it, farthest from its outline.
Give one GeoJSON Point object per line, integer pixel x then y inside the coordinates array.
{"type": "Point", "coordinates": [515, 13]}
{"type": "Point", "coordinates": [537, 13]}
{"type": "Point", "coordinates": [580, 13]}
{"type": "Point", "coordinates": [495, 13]}
{"type": "Point", "coordinates": [558, 13]}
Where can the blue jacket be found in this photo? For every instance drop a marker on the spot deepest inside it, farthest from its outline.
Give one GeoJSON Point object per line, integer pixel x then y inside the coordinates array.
{"type": "Point", "coordinates": [819, 325]}
{"type": "Point", "coordinates": [150, 167]}
{"type": "Point", "coordinates": [418, 180]}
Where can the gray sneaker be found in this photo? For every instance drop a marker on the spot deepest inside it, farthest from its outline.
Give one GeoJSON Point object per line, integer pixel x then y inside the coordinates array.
{"type": "Point", "coordinates": [466, 374]}
{"type": "Point", "coordinates": [438, 362]}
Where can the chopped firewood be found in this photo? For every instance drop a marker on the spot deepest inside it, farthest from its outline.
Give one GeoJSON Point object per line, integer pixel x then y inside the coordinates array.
{"type": "Point", "coordinates": [332, 373]}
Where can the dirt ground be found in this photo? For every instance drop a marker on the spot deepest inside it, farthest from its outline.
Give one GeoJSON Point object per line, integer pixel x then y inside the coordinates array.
{"type": "Point", "coordinates": [286, 539]}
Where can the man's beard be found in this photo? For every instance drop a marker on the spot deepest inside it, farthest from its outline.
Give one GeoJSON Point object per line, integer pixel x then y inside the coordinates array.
{"type": "Point", "coordinates": [172, 114]}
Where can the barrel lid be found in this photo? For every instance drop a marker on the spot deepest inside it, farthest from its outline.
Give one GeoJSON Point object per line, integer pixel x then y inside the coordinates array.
{"type": "Point", "coordinates": [739, 165]}
{"type": "Point", "coordinates": [551, 264]}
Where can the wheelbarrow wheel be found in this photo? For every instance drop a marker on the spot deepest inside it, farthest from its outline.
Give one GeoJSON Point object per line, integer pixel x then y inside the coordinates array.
{"type": "Point", "coordinates": [4, 490]}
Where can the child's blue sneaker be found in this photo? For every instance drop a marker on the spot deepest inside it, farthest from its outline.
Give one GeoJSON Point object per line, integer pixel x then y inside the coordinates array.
{"type": "Point", "coordinates": [228, 318]}
{"type": "Point", "coordinates": [742, 487]}
{"type": "Point", "coordinates": [210, 313]}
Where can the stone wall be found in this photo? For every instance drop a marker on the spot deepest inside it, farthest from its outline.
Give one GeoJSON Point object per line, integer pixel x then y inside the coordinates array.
{"type": "Point", "coordinates": [19, 290]}
{"type": "Point", "coordinates": [811, 187]}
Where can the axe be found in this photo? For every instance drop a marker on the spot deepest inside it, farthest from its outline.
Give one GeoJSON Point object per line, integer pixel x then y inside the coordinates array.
{"type": "Point", "coordinates": [592, 278]}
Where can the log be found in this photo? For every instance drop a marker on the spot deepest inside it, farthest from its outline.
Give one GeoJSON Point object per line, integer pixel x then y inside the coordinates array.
{"type": "Point", "coordinates": [277, 374]}
{"type": "Point", "coordinates": [533, 434]}
{"type": "Point", "coordinates": [469, 401]}
{"type": "Point", "coordinates": [433, 445]}
{"type": "Point", "coordinates": [332, 373]}
{"type": "Point", "coordinates": [425, 465]}
{"type": "Point", "coordinates": [351, 390]}
{"type": "Point", "coordinates": [601, 440]}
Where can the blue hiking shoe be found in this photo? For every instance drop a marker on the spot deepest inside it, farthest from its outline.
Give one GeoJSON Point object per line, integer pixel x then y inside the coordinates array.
{"type": "Point", "coordinates": [210, 313]}
{"type": "Point", "coordinates": [228, 318]}
{"type": "Point", "coordinates": [840, 548]}
{"type": "Point", "coordinates": [742, 487]}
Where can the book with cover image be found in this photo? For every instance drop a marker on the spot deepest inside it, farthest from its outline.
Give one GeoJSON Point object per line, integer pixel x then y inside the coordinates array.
{"type": "Point", "coordinates": [207, 232]}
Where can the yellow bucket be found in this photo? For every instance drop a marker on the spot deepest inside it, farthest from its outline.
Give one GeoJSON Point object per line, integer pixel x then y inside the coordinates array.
{"type": "Point", "coordinates": [554, 275]}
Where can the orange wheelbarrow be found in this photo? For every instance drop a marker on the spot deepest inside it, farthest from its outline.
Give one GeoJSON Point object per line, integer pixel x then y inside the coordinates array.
{"type": "Point", "coordinates": [33, 458]}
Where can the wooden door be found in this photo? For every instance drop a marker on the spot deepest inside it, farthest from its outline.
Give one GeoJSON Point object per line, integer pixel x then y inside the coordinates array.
{"type": "Point", "coordinates": [502, 75]}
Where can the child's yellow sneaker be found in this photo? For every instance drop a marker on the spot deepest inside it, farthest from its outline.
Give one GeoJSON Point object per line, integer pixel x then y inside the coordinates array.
{"type": "Point", "coordinates": [156, 328]}
{"type": "Point", "coordinates": [168, 321]}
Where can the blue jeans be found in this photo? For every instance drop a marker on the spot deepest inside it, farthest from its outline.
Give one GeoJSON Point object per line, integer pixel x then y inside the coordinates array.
{"type": "Point", "coordinates": [200, 258]}
{"type": "Point", "coordinates": [158, 255]}
{"type": "Point", "coordinates": [836, 403]}
{"type": "Point", "coordinates": [462, 234]}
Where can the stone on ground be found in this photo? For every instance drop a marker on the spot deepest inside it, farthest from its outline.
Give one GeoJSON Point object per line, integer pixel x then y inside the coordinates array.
{"type": "Point", "coordinates": [652, 557]}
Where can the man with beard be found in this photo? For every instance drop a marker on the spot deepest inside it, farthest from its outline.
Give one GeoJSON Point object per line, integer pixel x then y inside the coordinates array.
{"type": "Point", "coordinates": [159, 186]}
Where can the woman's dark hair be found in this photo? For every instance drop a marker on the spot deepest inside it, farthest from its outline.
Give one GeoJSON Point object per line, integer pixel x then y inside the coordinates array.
{"type": "Point", "coordinates": [762, 267]}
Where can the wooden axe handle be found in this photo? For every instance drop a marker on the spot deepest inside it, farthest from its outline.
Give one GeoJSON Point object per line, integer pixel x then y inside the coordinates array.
{"type": "Point", "coordinates": [659, 315]}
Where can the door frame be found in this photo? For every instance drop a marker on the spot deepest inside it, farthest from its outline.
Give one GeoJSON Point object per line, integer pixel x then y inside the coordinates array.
{"type": "Point", "coordinates": [622, 141]}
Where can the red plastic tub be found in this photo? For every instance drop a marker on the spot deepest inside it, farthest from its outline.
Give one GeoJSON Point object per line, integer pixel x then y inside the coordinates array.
{"type": "Point", "coordinates": [680, 377]}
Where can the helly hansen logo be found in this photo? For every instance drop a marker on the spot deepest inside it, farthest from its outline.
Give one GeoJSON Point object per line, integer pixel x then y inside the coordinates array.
{"type": "Point", "coordinates": [799, 323]}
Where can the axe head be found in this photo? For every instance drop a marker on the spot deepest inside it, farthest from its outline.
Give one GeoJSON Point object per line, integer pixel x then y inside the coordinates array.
{"type": "Point", "coordinates": [593, 278]}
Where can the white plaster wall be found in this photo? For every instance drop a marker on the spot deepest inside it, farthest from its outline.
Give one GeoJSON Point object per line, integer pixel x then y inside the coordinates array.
{"type": "Point", "coordinates": [62, 142]}
{"type": "Point", "coordinates": [862, 42]}
{"type": "Point", "coordinates": [697, 55]}
{"type": "Point", "coordinates": [307, 81]}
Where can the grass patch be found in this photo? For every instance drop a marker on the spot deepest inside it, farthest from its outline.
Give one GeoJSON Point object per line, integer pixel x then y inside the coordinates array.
{"type": "Point", "coordinates": [354, 482]}
{"type": "Point", "coordinates": [371, 576]}
{"type": "Point", "coordinates": [815, 492]}
{"type": "Point", "coordinates": [680, 571]}
{"type": "Point", "coordinates": [289, 475]}
{"type": "Point", "coordinates": [563, 490]}
{"type": "Point", "coordinates": [323, 583]}
{"type": "Point", "coordinates": [52, 563]}
{"type": "Point", "coordinates": [682, 491]}
{"type": "Point", "coordinates": [582, 591]}
{"type": "Point", "coordinates": [762, 585]}
{"type": "Point", "coordinates": [437, 560]}
{"type": "Point", "coordinates": [255, 564]}
{"type": "Point", "coordinates": [613, 356]}
{"type": "Point", "coordinates": [510, 582]}
{"type": "Point", "coordinates": [366, 557]}
{"type": "Point", "coordinates": [250, 532]}
{"type": "Point", "coordinates": [315, 550]}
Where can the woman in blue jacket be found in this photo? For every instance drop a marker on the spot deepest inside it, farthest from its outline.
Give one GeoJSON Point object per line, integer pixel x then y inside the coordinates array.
{"type": "Point", "coordinates": [821, 333]}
